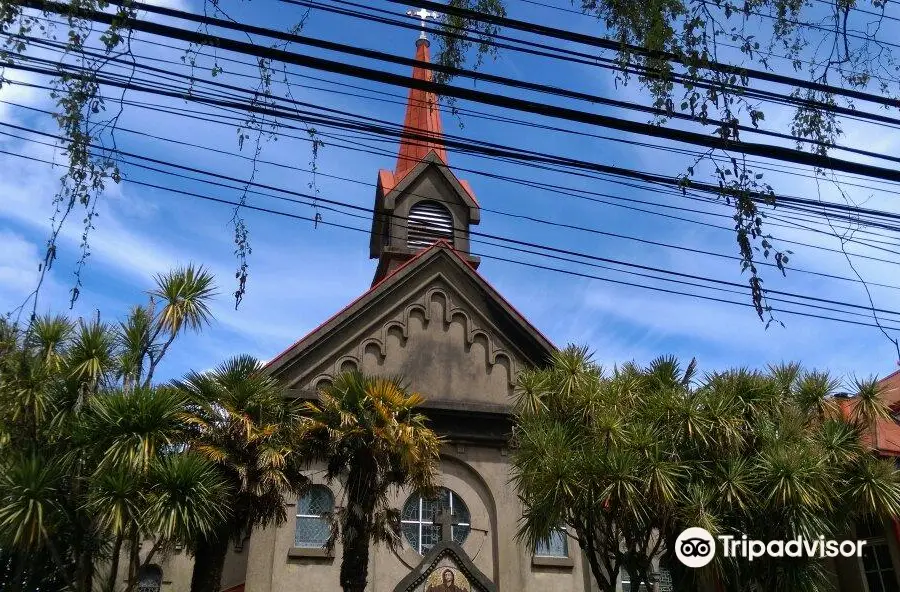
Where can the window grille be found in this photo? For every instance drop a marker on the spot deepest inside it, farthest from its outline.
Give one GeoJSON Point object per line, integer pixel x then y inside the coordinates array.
{"type": "Point", "coordinates": [313, 526]}
{"type": "Point", "coordinates": [627, 586]}
{"type": "Point", "coordinates": [877, 565]}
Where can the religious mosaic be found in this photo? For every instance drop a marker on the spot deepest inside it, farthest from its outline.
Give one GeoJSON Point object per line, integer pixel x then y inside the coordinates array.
{"type": "Point", "coordinates": [446, 578]}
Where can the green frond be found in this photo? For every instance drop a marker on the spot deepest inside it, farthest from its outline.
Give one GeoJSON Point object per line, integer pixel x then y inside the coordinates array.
{"type": "Point", "coordinates": [185, 294]}
{"type": "Point", "coordinates": [794, 477]}
{"type": "Point", "coordinates": [133, 428]}
{"type": "Point", "coordinates": [785, 375]}
{"type": "Point", "coordinates": [814, 392]}
{"type": "Point", "coordinates": [50, 336]}
{"type": "Point", "coordinates": [367, 428]}
{"type": "Point", "coordinates": [531, 386]}
{"type": "Point", "coordinates": [737, 484]}
{"type": "Point", "coordinates": [868, 404]}
{"type": "Point", "coordinates": [91, 355]}
{"type": "Point", "coordinates": [188, 498]}
{"type": "Point", "coordinates": [665, 372]}
{"type": "Point", "coordinates": [840, 443]}
{"type": "Point", "coordinates": [874, 487]}
{"type": "Point", "coordinates": [133, 341]}
{"type": "Point", "coordinates": [115, 499]}
{"type": "Point", "coordinates": [30, 501]}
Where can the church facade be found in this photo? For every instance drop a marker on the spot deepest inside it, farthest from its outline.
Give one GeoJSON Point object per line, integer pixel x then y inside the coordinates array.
{"type": "Point", "coordinates": [430, 317]}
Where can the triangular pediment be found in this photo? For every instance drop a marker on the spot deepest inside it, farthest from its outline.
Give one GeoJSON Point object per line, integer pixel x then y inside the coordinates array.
{"type": "Point", "coordinates": [437, 323]}
{"type": "Point", "coordinates": [446, 556]}
{"type": "Point", "coordinates": [432, 162]}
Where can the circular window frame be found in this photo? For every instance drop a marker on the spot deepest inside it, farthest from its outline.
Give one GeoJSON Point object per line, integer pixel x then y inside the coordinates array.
{"type": "Point", "coordinates": [454, 500]}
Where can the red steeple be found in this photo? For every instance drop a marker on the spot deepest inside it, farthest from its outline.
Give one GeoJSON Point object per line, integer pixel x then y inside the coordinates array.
{"type": "Point", "coordinates": [423, 118]}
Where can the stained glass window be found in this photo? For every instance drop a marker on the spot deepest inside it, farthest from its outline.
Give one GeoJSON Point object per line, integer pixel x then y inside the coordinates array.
{"type": "Point", "coordinates": [313, 526]}
{"type": "Point", "coordinates": [417, 520]}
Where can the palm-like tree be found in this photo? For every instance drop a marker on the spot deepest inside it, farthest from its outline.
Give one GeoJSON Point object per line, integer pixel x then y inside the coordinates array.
{"type": "Point", "coordinates": [242, 424]}
{"type": "Point", "coordinates": [628, 460]}
{"type": "Point", "coordinates": [89, 448]}
{"type": "Point", "coordinates": [368, 433]}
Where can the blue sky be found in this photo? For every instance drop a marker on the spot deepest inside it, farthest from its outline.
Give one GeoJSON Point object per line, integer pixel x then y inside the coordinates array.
{"type": "Point", "coordinates": [300, 275]}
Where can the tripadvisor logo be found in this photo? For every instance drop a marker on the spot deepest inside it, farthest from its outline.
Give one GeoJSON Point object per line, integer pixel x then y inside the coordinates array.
{"type": "Point", "coordinates": [696, 547]}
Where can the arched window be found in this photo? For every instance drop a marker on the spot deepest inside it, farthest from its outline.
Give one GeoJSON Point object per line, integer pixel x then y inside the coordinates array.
{"type": "Point", "coordinates": [149, 579]}
{"type": "Point", "coordinates": [555, 545]}
{"type": "Point", "coordinates": [418, 519]}
{"type": "Point", "coordinates": [313, 526]}
{"type": "Point", "coordinates": [427, 223]}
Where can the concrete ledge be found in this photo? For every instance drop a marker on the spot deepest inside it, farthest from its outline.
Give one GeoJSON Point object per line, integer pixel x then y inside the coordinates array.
{"type": "Point", "coordinates": [310, 553]}
{"type": "Point", "coordinates": [560, 562]}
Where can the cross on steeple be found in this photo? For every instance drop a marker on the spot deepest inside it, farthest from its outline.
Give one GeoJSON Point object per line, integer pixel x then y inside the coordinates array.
{"type": "Point", "coordinates": [423, 14]}
{"type": "Point", "coordinates": [446, 521]}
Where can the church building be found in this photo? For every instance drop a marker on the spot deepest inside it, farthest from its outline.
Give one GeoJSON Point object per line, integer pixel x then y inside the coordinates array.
{"type": "Point", "coordinates": [430, 317]}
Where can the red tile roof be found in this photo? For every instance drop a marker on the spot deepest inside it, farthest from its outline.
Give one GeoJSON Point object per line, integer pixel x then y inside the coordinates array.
{"type": "Point", "coordinates": [423, 117]}
{"type": "Point", "coordinates": [887, 431]}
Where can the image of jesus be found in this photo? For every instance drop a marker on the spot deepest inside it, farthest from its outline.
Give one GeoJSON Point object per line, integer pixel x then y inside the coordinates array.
{"type": "Point", "coordinates": [448, 585]}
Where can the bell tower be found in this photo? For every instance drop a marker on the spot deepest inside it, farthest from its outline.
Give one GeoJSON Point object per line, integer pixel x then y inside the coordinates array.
{"type": "Point", "coordinates": [421, 201]}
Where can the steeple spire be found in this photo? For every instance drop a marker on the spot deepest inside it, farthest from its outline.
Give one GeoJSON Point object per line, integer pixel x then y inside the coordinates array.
{"type": "Point", "coordinates": [423, 118]}
{"type": "Point", "coordinates": [422, 202]}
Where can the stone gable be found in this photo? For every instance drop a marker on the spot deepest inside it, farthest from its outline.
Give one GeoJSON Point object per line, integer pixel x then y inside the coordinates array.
{"type": "Point", "coordinates": [435, 325]}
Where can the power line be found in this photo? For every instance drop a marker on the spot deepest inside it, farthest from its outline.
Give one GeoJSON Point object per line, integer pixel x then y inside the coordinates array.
{"type": "Point", "coordinates": [731, 46]}
{"type": "Point", "coordinates": [482, 115]}
{"type": "Point", "coordinates": [614, 45]}
{"type": "Point", "coordinates": [483, 148]}
{"type": "Point", "coordinates": [569, 55]}
{"type": "Point", "coordinates": [483, 255]}
{"type": "Point", "coordinates": [543, 185]}
{"type": "Point", "coordinates": [817, 205]}
{"type": "Point", "coordinates": [535, 219]}
{"type": "Point", "coordinates": [506, 213]}
{"type": "Point", "coordinates": [487, 116]}
{"type": "Point", "coordinates": [776, 152]}
{"type": "Point", "coordinates": [519, 243]}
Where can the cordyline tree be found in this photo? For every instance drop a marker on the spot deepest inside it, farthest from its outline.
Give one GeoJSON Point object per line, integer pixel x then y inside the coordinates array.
{"type": "Point", "coordinates": [90, 464]}
{"type": "Point", "coordinates": [241, 423]}
{"type": "Point", "coordinates": [370, 436]}
{"type": "Point", "coordinates": [626, 460]}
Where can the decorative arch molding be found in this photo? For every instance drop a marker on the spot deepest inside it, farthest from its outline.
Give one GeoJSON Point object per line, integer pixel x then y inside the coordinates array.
{"type": "Point", "coordinates": [453, 309]}
{"type": "Point", "coordinates": [483, 489]}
